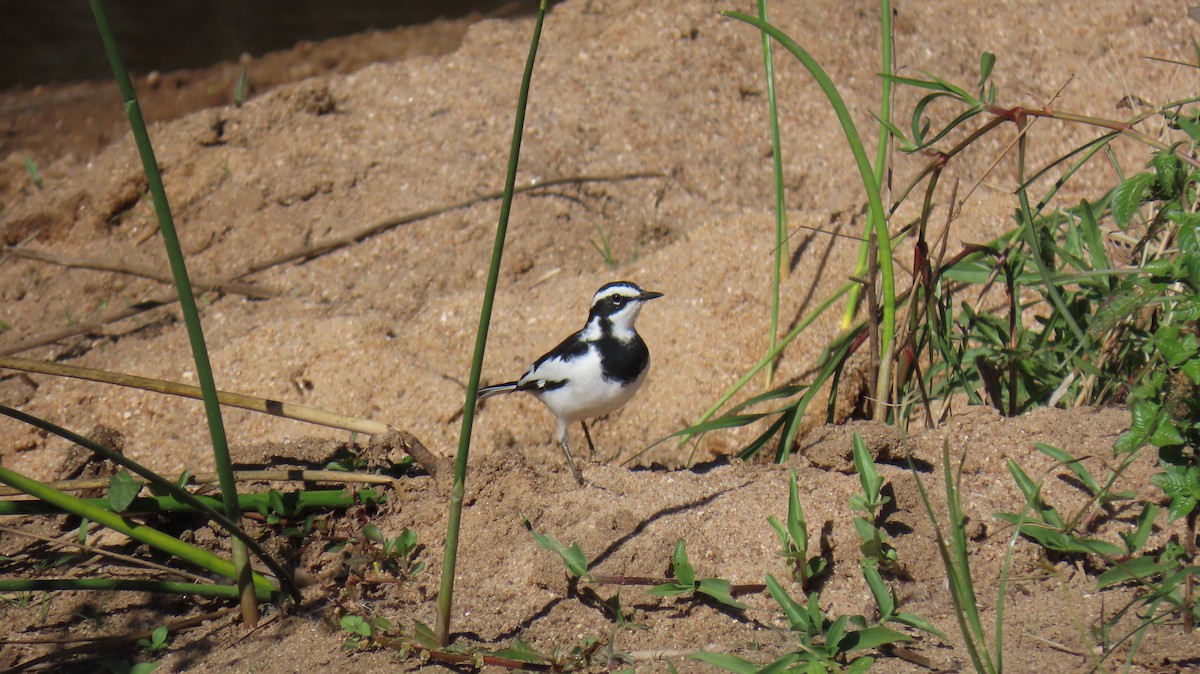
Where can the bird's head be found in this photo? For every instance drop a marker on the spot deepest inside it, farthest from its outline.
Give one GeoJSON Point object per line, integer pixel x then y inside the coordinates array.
{"type": "Point", "coordinates": [617, 305]}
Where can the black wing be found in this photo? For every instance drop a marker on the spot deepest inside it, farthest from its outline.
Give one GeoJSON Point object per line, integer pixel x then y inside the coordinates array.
{"type": "Point", "coordinates": [570, 348]}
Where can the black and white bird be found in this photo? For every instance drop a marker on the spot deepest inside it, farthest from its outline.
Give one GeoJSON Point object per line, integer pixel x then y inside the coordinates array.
{"type": "Point", "coordinates": [594, 371]}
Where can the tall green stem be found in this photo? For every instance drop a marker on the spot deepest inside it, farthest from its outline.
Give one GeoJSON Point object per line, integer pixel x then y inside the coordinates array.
{"type": "Point", "coordinates": [870, 183]}
{"type": "Point", "coordinates": [187, 301]}
{"type": "Point", "coordinates": [780, 270]}
{"type": "Point", "coordinates": [449, 562]}
{"type": "Point", "coordinates": [140, 533]}
{"type": "Point", "coordinates": [885, 114]}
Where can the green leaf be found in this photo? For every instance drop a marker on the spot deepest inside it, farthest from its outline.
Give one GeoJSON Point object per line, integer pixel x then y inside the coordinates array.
{"type": "Point", "coordinates": [670, 589]}
{"type": "Point", "coordinates": [684, 572]}
{"type": "Point", "coordinates": [1136, 540]}
{"type": "Point", "coordinates": [718, 588]}
{"type": "Point", "coordinates": [797, 527]}
{"type": "Point", "coordinates": [1166, 172]}
{"type": "Point", "coordinates": [356, 624]}
{"type": "Point", "coordinates": [1127, 196]}
{"type": "Point", "coordinates": [372, 532]}
{"type": "Point", "coordinates": [730, 663]}
{"type": "Point", "coordinates": [872, 547]}
{"type": "Point", "coordinates": [1181, 506]}
{"type": "Point", "coordinates": [425, 637]}
{"type": "Point", "coordinates": [1137, 568]}
{"type": "Point", "coordinates": [522, 652]}
{"type": "Point", "coordinates": [792, 610]}
{"type": "Point", "coordinates": [1165, 433]}
{"type": "Point", "coordinates": [1175, 345]}
{"type": "Point", "coordinates": [1189, 126]}
{"type": "Point", "coordinates": [1071, 462]}
{"type": "Point", "coordinates": [278, 506]}
{"type": "Point", "coordinates": [1089, 228]}
{"type": "Point", "coordinates": [872, 637]}
{"type": "Point", "coordinates": [122, 489]}
{"type": "Point", "coordinates": [816, 619]}
{"type": "Point", "coordinates": [144, 667]}
{"type": "Point", "coordinates": [885, 599]}
{"type": "Point", "coordinates": [868, 477]}
{"type": "Point", "coordinates": [573, 557]}
{"type": "Point", "coordinates": [1032, 493]}
{"type": "Point", "coordinates": [986, 62]}
{"type": "Point", "coordinates": [1192, 370]}
{"type": "Point", "coordinates": [836, 633]}
{"type": "Point", "coordinates": [917, 622]}
{"type": "Point", "coordinates": [860, 665]}
{"type": "Point", "coordinates": [1054, 539]}
{"type": "Point", "coordinates": [905, 145]}
{"type": "Point", "coordinates": [382, 624]}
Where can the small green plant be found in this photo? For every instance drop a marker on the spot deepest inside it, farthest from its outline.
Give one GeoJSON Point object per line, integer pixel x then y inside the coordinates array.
{"type": "Point", "coordinates": [869, 503]}
{"type": "Point", "coordinates": [1042, 522]}
{"type": "Point", "coordinates": [396, 556]}
{"type": "Point", "coordinates": [952, 545]}
{"type": "Point", "coordinates": [573, 557]}
{"type": "Point", "coordinates": [887, 605]}
{"type": "Point", "coordinates": [793, 539]}
{"type": "Point", "coordinates": [686, 581]}
{"type": "Point", "coordinates": [1164, 404]}
{"type": "Point", "coordinates": [157, 643]}
{"type": "Point", "coordinates": [122, 489]}
{"type": "Point", "coordinates": [604, 248]}
{"type": "Point", "coordinates": [35, 176]}
{"type": "Point", "coordinates": [682, 581]}
{"type": "Point", "coordinates": [364, 633]}
{"type": "Point", "coordinates": [824, 645]}
{"type": "Point", "coordinates": [352, 459]}
{"type": "Point", "coordinates": [126, 667]}
{"type": "Point", "coordinates": [239, 87]}
{"type": "Point", "coordinates": [1102, 494]}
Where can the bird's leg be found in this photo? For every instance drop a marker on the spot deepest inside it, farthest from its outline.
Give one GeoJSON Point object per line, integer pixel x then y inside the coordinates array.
{"type": "Point", "coordinates": [586, 434]}
{"type": "Point", "coordinates": [562, 440]}
{"type": "Point", "coordinates": [571, 463]}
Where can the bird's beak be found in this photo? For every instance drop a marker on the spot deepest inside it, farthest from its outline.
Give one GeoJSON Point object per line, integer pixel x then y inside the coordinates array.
{"type": "Point", "coordinates": [648, 295]}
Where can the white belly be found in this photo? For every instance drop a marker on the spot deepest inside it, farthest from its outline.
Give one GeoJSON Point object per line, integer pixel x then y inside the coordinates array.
{"type": "Point", "coordinates": [586, 397]}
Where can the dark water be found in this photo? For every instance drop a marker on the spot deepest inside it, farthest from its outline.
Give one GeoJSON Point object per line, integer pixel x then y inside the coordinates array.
{"type": "Point", "coordinates": [56, 40]}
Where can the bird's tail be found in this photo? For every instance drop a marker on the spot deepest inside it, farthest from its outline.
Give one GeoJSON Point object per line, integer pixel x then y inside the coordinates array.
{"type": "Point", "coordinates": [489, 391]}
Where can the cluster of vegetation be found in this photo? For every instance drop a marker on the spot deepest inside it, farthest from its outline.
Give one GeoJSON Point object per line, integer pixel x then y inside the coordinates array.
{"type": "Point", "coordinates": [1114, 324]}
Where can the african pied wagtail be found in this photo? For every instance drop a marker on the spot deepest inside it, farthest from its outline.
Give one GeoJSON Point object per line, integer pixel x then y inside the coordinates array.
{"type": "Point", "coordinates": [594, 371]}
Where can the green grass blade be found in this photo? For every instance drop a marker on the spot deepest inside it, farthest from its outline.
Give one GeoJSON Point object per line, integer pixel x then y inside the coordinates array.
{"type": "Point", "coordinates": [783, 343]}
{"type": "Point", "coordinates": [120, 585]}
{"type": "Point", "coordinates": [781, 258]}
{"type": "Point", "coordinates": [877, 215]}
{"type": "Point", "coordinates": [454, 524]}
{"type": "Point", "coordinates": [962, 593]}
{"type": "Point", "coordinates": [187, 301]}
{"type": "Point", "coordinates": [140, 533]}
{"type": "Point", "coordinates": [298, 502]}
{"type": "Point", "coordinates": [170, 487]}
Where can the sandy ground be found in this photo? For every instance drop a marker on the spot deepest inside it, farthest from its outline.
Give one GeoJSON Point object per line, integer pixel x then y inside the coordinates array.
{"type": "Point", "coordinates": [658, 111]}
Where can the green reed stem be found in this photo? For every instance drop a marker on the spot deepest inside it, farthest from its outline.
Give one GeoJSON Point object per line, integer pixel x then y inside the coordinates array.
{"type": "Point", "coordinates": [875, 204]}
{"type": "Point", "coordinates": [187, 303]}
{"type": "Point", "coordinates": [881, 151]}
{"type": "Point", "coordinates": [261, 587]}
{"type": "Point", "coordinates": [198, 504]}
{"type": "Point", "coordinates": [119, 585]}
{"type": "Point", "coordinates": [446, 592]}
{"type": "Point", "coordinates": [781, 257]}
